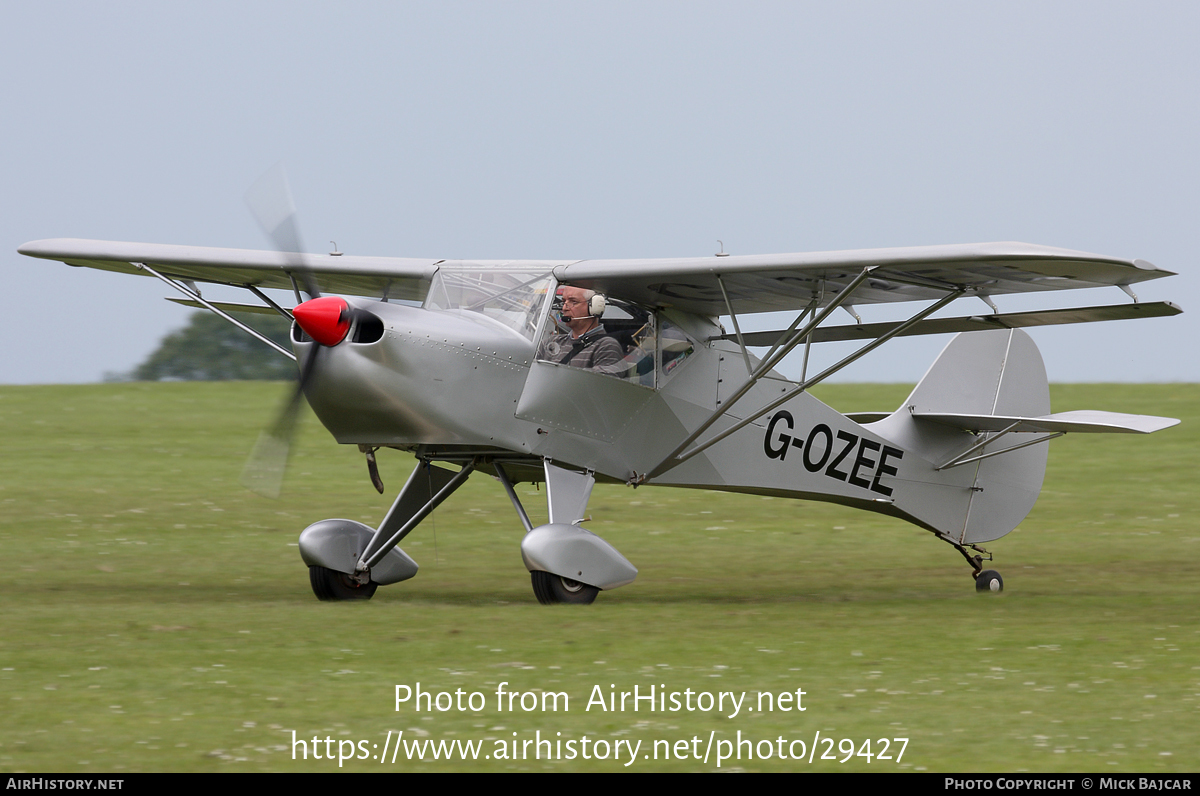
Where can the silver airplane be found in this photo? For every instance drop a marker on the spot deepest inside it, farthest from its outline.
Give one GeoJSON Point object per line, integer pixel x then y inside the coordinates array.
{"type": "Point", "coordinates": [569, 373]}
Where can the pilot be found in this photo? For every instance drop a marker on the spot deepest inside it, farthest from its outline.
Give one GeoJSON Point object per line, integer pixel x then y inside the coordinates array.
{"type": "Point", "coordinates": [587, 345]}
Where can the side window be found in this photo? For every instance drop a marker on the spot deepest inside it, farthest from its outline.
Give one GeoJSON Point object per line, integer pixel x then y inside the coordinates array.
{"type": "Point", "coordinates": [634, 329]}
{"type": "Point", "coordinates": [613, 338]}
{"type": "Point", "coordinates": [676, 347]}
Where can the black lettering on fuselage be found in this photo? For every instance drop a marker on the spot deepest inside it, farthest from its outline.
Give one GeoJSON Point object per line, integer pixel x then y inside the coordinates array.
{"type": "Point", "coordinates": [864, 472]}
{"type": "Point", "coordinates": [825, 431]}
{"type": "Point", "coordinates": [860, 460]}
{"type": "Point", "coordinates": [885, 469]}
{"type": "Point", "coordinates": [783, 439]}
{"type": "Point", "coordinates": [849, 439]}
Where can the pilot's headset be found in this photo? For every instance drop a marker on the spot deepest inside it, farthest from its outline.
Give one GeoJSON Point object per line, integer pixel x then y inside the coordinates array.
{"type": "Point", "coordinates": [597, 304]}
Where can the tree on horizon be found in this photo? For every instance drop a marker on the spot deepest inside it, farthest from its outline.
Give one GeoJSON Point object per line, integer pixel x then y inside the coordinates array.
{"type": "Point", "coordinates": [209, 348]}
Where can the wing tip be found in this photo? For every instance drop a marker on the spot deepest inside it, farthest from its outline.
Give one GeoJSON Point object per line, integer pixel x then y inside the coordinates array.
{"type": "Point", "coordinates": [50, 248]}
{"type": "Point", "coordinates": [32, 248]}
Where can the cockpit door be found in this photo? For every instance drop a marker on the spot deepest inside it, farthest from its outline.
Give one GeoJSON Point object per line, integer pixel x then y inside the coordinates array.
{"type": "Point", "coordinates": [582, 402]}
{"type": "Point", "coordinates": [591, 381]}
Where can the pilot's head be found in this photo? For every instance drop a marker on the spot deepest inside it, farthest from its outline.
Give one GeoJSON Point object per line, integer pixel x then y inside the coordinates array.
{"type": "Point", "coordinates": [576, 310]}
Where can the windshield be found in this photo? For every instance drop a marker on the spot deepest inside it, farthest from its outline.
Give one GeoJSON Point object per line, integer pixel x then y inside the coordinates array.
{"type": "Point", "coordinates": [512, 298]}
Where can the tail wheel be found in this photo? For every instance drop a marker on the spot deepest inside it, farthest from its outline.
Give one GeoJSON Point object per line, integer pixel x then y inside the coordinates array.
{"type": "Point", "coordinates": [551, 589]}
{"type": "Point", "coordinates": [330, 585]}
{"type": "Point", "coordinates": [989, 580]}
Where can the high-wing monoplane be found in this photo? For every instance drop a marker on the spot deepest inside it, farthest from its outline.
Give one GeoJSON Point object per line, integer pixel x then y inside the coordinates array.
{"type": "Point", "coordinates": [569, 373]}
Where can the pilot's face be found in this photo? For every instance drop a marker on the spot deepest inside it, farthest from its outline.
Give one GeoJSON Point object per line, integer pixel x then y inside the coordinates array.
{"type": "Point", "coordinates": [575, 311]}
{"type": "Point", "coordinates": [574, 303]}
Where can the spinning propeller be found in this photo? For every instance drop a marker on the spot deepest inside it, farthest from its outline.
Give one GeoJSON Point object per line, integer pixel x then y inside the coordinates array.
{"type": "Point", "coordinates": [325, 319]}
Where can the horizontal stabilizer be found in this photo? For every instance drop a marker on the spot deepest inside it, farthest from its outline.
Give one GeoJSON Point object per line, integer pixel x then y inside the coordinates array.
{"type": "Point", "coordinates": [226, 306]}
{"type": "Point", "coordinates": [1084, 421]}
{"type": "Point", "coordinates": [977, 323]}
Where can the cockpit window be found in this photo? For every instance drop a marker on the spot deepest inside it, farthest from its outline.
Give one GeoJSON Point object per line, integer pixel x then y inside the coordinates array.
{"type": "Point", "coordinates": [611, 337]}
{"type": "Point", "coordinates": [511, 298]}
{"type": "Point", "coordinates": [676, 347]}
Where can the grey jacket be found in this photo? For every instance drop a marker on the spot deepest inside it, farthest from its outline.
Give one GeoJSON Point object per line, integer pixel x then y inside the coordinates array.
{"type": "Point", "coordinates": [594, 351]}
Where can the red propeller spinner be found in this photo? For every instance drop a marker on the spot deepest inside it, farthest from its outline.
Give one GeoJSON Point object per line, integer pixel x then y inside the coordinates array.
{"type": "Point", "coordinates": [325, 319]}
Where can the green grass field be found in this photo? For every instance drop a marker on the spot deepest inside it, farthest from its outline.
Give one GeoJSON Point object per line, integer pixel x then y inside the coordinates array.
{"type": "Point", "coordinates": [157, 617]}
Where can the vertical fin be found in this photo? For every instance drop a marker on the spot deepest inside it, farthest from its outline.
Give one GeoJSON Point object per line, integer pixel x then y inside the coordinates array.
{"type": "Point", "coordinates": [981, 373]}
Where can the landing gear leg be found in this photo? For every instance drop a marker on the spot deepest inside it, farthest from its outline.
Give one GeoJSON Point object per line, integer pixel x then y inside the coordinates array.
{"type": "Point", "coordinates": [551, 589]}
{"type": "Point", "coordinates": [566, 563]}
{"type": "Point", "coordinates": [425, 490]}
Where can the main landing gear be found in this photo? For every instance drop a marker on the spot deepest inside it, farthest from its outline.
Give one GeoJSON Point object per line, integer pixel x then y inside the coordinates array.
{"type": "Point", "coordinates": [348, 560]}
{"type": "Point", "coordinates": [566, 563]}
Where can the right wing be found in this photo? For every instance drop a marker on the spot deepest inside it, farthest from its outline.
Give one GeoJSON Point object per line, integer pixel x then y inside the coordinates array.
{"type": "Point", "coordinates": [767, 282]}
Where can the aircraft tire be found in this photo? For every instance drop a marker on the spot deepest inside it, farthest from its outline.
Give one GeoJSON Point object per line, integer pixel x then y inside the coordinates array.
{"type": "Point", "coordinates": [989, 580]}
{"type": "Point", "coordinates": [329, 585]}
{"type": "Point", "coordinates": [552, 589]}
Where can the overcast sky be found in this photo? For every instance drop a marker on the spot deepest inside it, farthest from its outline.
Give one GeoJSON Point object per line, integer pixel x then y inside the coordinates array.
{"type": "Point", "coordinates": [580, 130]}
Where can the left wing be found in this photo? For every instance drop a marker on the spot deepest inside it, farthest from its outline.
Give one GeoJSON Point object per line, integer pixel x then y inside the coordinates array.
{"type": "Point", "coordinates": [762, 283]}
{"type": "Point", "coordinates": [395, 277]}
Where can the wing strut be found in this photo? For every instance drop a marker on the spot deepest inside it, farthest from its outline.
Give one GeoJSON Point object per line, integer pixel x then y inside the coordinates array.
{"type": "Point", "coordinates": [805, 313]}
{"type": "Point", "coordinates": [195, 296]}
{"type": "Point", "coordinates": [267, 300]}
{"type": "Point", "coordinates": [764, 368]}
{"type": "Point", "coordinates": [736, 327]}
{"type": "Point", "coordinates": [677, 456]}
